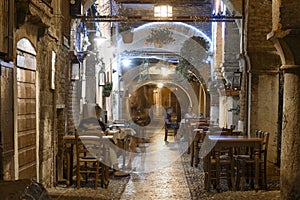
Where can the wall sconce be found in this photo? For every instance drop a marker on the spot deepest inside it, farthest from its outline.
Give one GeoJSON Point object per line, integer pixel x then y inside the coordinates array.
{"type": "Point", "coordinates": [101, 78]}
{"type": "Point", "coordinates": [237, 80]}
{"type": "Point", "coordinates": [163, 11]}
{"type": "Point", "coordinates": [75, 68]}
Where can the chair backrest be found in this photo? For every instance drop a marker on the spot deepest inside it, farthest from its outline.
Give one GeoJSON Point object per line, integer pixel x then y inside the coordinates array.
{"type": "Point", "coordinates": [226, 131]}
{"type": "Point", "coordinates": [264, 145]}
{"type": "Point", "coordinates": [88, 146]}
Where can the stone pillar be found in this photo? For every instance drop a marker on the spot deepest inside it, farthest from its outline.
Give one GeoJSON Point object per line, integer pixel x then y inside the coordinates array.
{"type": "Point", "coordinates": [287, 44]}
{"type": "Point", "coordinates": [290, 151]}
{"type": "Point", "coordinates": [286, 39]}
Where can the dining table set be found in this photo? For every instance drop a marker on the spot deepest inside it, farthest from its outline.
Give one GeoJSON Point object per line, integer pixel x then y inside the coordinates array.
{"type": "Point", "coordinates": [220, 149]}
{"type": "Point", "coordinates": [117, 133]}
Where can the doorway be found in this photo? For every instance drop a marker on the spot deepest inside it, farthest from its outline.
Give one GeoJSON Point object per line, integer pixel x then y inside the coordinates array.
{"type": "Point", "coordinates": [26, 109]}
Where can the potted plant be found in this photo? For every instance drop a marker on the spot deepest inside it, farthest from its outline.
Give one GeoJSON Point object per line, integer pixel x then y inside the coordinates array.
{"type": "Point", "coordinates": [107, 89]}
{"type": "Point", "coordinates": [126, 31]}
{"type": "Point", "coordinates": [125, 28]}
{"type": "Point", "coordinates": [160, 36]}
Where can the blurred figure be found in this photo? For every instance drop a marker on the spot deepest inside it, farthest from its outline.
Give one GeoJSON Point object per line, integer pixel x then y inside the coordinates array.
{"type": "Point", "coordinates": [190, 114]}
{"type": "Point", "coordinates": [94, 123]}
{"type": "Point", "coordinates": [170, 124]}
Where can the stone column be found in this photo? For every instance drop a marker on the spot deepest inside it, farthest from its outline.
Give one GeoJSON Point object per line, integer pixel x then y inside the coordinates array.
{"type": "Point", "coordinates": [290, 151]}
{"type": "Point", "coordinates": [286, 38]}
{"type": "Point", "coordinates": [287, 45]}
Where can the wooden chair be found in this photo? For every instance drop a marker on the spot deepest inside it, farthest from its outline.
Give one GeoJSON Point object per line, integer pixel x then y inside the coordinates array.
{"type": "Point", "coordinates": [197, 143]}
{"type": "Point", "coordinates": [227, 170]}
{"type": "Point", "coordinates": [245, 163]}
{"type": "Point", "coordinates": [90, 151]}
{"type": "Point", "coordinates": [171, 130]}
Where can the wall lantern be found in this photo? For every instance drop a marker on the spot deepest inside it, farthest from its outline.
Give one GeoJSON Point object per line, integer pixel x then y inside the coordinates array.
{"type": "Point", "coordinates": [101, 78]}
{"type": "Point", "coordinates": [163, 11]}
{"type": "Point", "coordinates": [75, 68]}
{"type": "Point", "coordinates": [237, 80]}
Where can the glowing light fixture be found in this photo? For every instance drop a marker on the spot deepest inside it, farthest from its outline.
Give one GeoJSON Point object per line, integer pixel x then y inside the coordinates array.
{"type": "Point", "coordinates": [163, 11]}
{"type": "Point", "coordinates": [126, 62]}
{"type": "Point", "coordinates": [160, 85]}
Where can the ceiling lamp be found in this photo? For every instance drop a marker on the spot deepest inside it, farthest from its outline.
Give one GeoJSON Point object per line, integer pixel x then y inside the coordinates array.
{"type": "Point", "coordinates": [163, 11]}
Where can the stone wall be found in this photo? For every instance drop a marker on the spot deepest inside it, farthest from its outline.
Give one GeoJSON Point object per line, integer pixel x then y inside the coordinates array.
{"type": "Point", "coordinates": [3, 25]}
{"type": "Point", "coordinates": [264, 73]}
{"type": "Point", "coordinates": [6, 124]}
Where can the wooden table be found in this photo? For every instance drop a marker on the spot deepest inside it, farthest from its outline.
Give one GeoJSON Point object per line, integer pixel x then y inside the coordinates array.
{"type": "Point", "coordinates": [222, 142]}
{"type": "Point", "coordinates": [70, 141]}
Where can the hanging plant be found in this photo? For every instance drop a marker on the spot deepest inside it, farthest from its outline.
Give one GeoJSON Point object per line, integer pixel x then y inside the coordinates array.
{"type": "Point", "coordinates": [194, 53]}
{"type": "Point", "coordinates": [107, 88]}
{"type": "Point", "coordinates": [125, 28]}
{"type": "Point", "coordinates": [159, 36]}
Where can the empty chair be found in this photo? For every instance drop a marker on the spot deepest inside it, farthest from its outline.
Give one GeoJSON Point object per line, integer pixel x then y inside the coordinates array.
{"type": "Point", "coordinates": [89, 153]}
{"type": "Point", "coordinates": [226, 160]}
{"type": "Point", "coordinates": [245, 163]}
{"type": "Point", "coordinates": [196, 145]}
{"type": "Point", "coordinates": [226, 170]}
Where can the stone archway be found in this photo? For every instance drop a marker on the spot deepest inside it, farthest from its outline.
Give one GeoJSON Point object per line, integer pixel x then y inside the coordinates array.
{"type": "Point", "coordinates": [181, 33]}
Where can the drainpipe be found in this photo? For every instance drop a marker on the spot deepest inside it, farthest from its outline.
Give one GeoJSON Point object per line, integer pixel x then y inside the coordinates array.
{"type": "Point", "coordinates": [245, 111]}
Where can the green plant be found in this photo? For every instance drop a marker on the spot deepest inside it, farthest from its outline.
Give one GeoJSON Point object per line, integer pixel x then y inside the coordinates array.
{"type": "Point", "coordinates": [107, 89]}
{"type": "Point", "coordinates": [160, 35]}
{"type": "Point", "coordinates": [108, 86]}
{"type": "Point", "coordinates": [124, 26]}
{"type": "Point", "coordinates": [193, 55]}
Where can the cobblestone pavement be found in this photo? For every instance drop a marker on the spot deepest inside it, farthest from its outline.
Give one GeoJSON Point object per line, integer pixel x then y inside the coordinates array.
{"type": "Point", "coordinates": [177, 181]}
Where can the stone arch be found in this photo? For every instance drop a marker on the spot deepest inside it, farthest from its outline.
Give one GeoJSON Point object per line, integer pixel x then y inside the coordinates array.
{"type": "Point", "coordinates": [181, 33]}
{"type": "Point", "coordinates": [25, 45]}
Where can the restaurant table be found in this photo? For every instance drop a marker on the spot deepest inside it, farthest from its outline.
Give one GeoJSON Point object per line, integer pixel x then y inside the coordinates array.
{"type": "Point", "coordinates": [123, 135]}
{"type": "Point", "coordinates": [221, 142]}
{"type": "Point", "coordinates": [70, 141]}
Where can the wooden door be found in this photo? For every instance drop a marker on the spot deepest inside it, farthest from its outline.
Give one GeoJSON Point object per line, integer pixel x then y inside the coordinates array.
{"type": "Point", "coordinates": [26, 113]}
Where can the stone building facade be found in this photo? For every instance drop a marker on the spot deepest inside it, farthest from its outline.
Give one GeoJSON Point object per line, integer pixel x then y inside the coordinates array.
{"type": "Point", "coordinates": [34, 85]}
